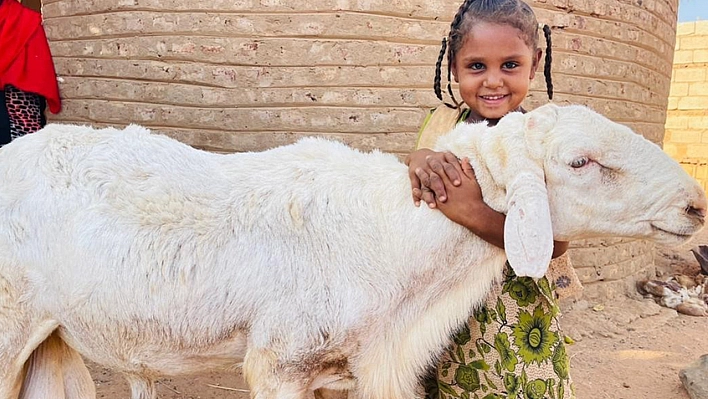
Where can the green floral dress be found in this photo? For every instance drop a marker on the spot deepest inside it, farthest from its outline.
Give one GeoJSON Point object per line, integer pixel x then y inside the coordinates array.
{"type": "Point", "coordinates": [512, 347]}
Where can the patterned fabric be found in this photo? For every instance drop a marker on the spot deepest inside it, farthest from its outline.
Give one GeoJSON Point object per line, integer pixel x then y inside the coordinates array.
{"type": "Point", "coordinates": [512, 347]}
{"type": "Point", "coordinates": [564, 279]}
{"type": "Point", "coordinates": [25, 111]}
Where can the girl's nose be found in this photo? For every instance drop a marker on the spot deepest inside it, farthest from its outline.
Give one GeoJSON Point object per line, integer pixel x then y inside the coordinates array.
{"type": "Point", "coordinates": [493, 81]}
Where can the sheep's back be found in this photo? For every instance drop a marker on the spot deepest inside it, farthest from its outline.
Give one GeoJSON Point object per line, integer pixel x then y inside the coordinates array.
{"type": "Point", "coordinates": [312, 233]}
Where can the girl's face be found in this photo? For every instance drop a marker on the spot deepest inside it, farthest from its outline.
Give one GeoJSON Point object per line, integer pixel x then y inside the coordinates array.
{"type": "Point", "coordinates": [494, 68]}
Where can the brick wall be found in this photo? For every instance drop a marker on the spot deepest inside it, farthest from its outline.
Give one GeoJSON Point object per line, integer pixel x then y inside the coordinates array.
{"type": "Point", "coordinates": [686, 138]}
{"type": "Point", "coordinates": [246, 75]}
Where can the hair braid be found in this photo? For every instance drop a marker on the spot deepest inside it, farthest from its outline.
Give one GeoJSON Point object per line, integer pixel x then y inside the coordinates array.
{"type": "Point", "coordinates": [453, 37]}
{"type": "Point", "coordinates": [454, 104]}
{"type": "Point", "coordinates": [547, 62]}
{"type": "Point", "coordinates": [438, 67]}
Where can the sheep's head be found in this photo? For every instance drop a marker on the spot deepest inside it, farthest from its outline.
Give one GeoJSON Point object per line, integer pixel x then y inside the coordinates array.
{"type": "Point", "coordinates": [569, 173]}
{"type": "Point", "coordinates": [601, 179]}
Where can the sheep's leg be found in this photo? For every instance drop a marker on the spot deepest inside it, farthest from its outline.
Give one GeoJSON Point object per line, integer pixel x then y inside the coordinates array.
{"type": "Point", "coordinates": [141, 387]}
{"type": "Point", "coordinates": [12, 339]}
{"type": "Point", "coordinates": [43, 371]}
{"type": "Point", "coordinates": [75, 377]}
{"type": "Point", "coordinates": [10, 381]}
{"type": "Point", "coordinates": [56, 371]}
{"type": "Point", "coordinates": [16, 347]}
{"type": "Point", "coordinates": [20, 334]}
{"type": "Point", "coordinates": [12, 370]}
{"type": "Point", "coordinates": [259, 368]}
{"type": "Point", "coordinates": [78, 383]}
{"type": "Point", "coordinates": [53, 370]}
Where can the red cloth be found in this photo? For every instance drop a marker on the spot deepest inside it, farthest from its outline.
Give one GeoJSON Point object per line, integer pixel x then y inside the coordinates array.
{"type": "Point", "coordinates": [25, 58]}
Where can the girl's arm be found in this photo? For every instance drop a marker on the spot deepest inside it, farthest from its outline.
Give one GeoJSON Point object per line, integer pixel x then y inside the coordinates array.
{"type": "Point", "coordinates": [464, 206]}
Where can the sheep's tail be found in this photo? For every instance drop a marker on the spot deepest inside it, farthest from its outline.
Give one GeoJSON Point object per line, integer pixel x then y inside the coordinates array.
{"type": "Point", "coordinates": [54, 370]}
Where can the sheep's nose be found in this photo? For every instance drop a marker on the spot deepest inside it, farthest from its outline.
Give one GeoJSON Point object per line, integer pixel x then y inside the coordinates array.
{"type": "Point", "coordinates": [697, 209]}
{"type": "Point", "coordinates": [697, 212]}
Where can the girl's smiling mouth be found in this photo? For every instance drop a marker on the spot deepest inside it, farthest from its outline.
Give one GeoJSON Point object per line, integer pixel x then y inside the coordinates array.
{"type": "Point", "coordinates": [494, 100]}
{"type": "Point", "coordinates": [494, 97]}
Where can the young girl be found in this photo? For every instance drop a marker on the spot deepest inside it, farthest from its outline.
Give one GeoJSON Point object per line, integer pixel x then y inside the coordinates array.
{"type": "Point", "coordinates": [512, 346]}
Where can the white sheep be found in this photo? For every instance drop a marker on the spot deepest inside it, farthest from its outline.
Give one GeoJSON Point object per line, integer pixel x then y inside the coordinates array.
{"type": "Point", "coordinates": [307, 262]}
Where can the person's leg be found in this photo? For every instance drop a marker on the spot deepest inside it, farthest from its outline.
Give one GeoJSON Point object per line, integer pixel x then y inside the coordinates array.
{"type": "Point", "coordinates": [4, 121]}
{"type": "Point", "coordinates": [510, 348]}
{"type": "Point", "coordinates": [25, 110]}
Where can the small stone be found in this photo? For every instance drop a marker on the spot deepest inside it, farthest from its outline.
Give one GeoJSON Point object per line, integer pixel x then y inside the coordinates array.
{"type": "Point", "coordinates": [624, 384]}
{"type": "Point", "coordinates": [693, 307]}
{"type": "Point", "coordinates": [686, 281]}
{"type": "Point", "coordinates": [695, 378]}
{"type": "Point", "coordinates": [581, 305]}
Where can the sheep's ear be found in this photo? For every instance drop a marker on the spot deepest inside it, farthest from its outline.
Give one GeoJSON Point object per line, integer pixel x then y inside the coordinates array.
{"type": "Point", "coordinates": [528, 234]}
{"type": "Point", "coordinates": [539, 122]}
{"type": "Point", "coordinates": [542, 119]}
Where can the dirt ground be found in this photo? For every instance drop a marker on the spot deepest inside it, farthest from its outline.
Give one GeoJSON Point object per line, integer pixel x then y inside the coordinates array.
{"type": "Point", "coordinates": [630, 349]}
{"type": "Point", "coordinates": [625, 349]}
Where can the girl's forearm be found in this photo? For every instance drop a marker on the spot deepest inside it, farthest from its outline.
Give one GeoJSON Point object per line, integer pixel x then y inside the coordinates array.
{"type": "Point", "coordinates": [559, 248]}
{"type": "Point", "coordinates": [488, 224]}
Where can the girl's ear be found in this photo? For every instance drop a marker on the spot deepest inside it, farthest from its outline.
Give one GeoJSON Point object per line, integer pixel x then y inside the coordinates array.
{"type": "Point", "coordinates": [453, 70]}
{"type": "Point", "coordinates": [536, 60]}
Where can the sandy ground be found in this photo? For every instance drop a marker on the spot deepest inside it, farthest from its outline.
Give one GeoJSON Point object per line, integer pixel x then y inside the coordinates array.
{"type": "Point", "coordinates": [631, 349]}
{"type": "Point", "coordinates": [625, 349]}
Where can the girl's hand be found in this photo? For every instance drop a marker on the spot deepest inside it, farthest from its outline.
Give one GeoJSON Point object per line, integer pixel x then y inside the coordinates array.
{"type": "Point", "coordinates": [464, 205]}
{"type": "Point", "coordinates": [426, 169]}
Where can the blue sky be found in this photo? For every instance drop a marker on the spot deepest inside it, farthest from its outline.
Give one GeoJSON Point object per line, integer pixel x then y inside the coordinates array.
{"type": "Point", "coordinates": [692, 10]}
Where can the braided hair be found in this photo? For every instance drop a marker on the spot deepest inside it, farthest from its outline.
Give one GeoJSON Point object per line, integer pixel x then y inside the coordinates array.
{"type": "Point", "coordinates": [514, 13]}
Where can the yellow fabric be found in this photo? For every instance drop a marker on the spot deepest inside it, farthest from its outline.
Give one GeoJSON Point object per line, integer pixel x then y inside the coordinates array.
{"type": "Point", "coordinates": [438, 122]}
{"type": "Point", "coordinates": [561, 274]}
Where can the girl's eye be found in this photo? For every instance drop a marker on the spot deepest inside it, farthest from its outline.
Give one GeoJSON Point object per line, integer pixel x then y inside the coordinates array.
{"type": "Point", "coordinates": [579, 162]}
{"type": "Point", "coordinates": [510, 65]}
{"type": "Point", "coordinates": [477, 66]}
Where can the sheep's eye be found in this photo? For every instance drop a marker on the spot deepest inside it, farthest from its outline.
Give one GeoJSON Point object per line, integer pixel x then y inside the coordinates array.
{"type": "Point", "coordinates": [579, 162]}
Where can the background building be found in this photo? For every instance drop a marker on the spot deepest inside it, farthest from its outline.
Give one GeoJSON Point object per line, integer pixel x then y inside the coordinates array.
{"type": "Point", "coordinates": [246, 75]}
{"type": "Point", "coordinates": [686, 137]}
